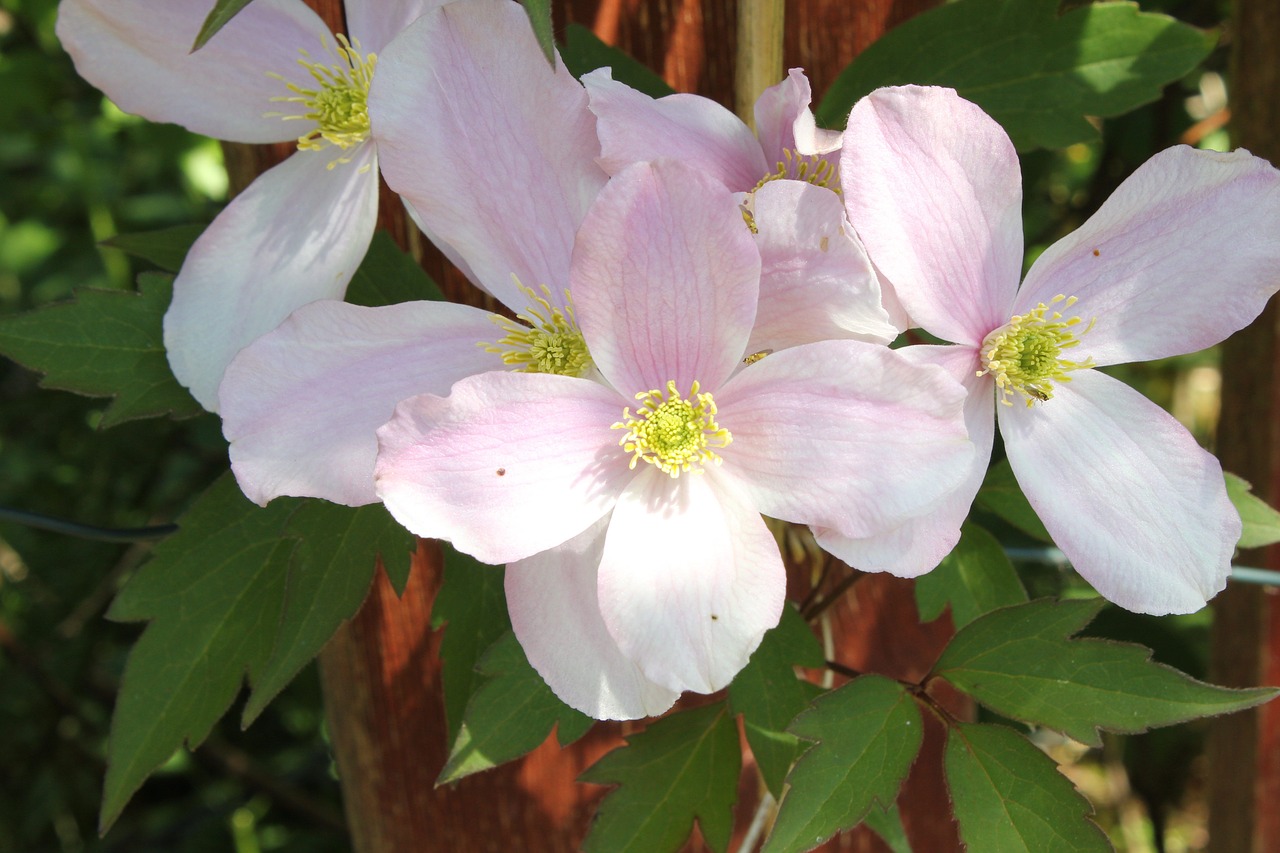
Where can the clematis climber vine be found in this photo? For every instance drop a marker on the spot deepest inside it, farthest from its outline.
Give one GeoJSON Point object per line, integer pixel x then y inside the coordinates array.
{"type": "Point", "coordinates": [275, 73]}
{"type": "Point", "coordinates": [1184, 253]}
{"type": "Point", "coordinates": [628, 510]}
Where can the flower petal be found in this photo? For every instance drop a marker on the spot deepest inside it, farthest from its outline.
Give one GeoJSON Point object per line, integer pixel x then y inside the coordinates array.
{"type": "Point", "coordinates": [665, 279]}
{"type": "Point", "coordinates": [918, 544]}
{"type": "Point", "coordinates": [1183, 253]}
{"type": "Point", "coordinates": [690, 579]}
{"type": "Point", "coordinates": [555, 612]}
{"type": "Point", "coordinates": [844, 434]}
{"type": "Point", "coordinates": [933, 188]}
{"type": "Point", "coordinates": [297, 234]}
{"type": "Point", "coordinates": [784, 121]}
{"type": "Point", "coordinates": [697, 131]}
{"type": "Point", "coordinates": [816, 282]}
{"type": "Point", "coordinates": [139, 53]}
{"type": "Point", "coordinates": [1131, 499]}
{"type": "Point", "coordinates": [494, 150]}
{"type": "Point", "coordinates": [509, 464]}
{"type": "Point", "coordinates": [301, 405]}
{"type": "Point", "coordinates": [376, 22]}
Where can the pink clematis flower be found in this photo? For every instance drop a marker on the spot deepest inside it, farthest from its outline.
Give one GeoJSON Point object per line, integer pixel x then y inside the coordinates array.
{"type": "Point", "coordinates": [301, 404]}
{"type": "Point", "coordinates": [273, 74]}
{"type": "Point", "coordinates": [1186, 251]}
{"type": "Point", "coordinates": [627, 506]}
{"type": "Point", "coordinates": [817, 283]}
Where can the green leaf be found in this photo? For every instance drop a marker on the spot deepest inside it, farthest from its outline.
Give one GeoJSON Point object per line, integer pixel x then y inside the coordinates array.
{"type": "Point", "coordinates": [584, 52]}
{"type": "Point", "coordinates": [539, 12]}
{"type": "Point", "coordinates": [768, 695]}
{"type": "Point", "coordinates": [888, 825]}
{"type": "Point", "coordinates": [329, 580]}
{"type": "Point", "coordinates": [472, 608]}
{"type": "Point", "coordinates": [1261, 522]}
{"type": "Point", "coordinates": [684, 766]}
{"type": "Point", "coordinates": [1009, 797]}
{"type": "Point", "coordinates": [1000, 494]}
{"type": "Point", "coordinates": [213, 592]}
{"type": "Point", "coordinates": [104, 343]}
{"type": "Point", "coordinates": [388, 276]}
{"type": "Point", "coordinates": [1021, 662]}
{"type": "Point", "coordinates": [1036, 73]}
{"type": "Point", "coordinates": [975, 578]}
{"type": "Point", "coordinates": [222, 13]}
{"type": "Point", "coordinates": [868, 734]}
{"type": "Point", "coordinates": [512, 713]}
{"type": "Point", "coordinates": [166, 248]}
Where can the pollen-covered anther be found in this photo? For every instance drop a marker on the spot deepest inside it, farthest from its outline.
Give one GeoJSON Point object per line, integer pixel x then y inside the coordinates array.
{"type": "Point", "coordinates": [810, 168]}
{"type": "Point", "coordinates": [546, 341]}
{"type": "Point", "coordinates": [1024, 356]}
{"type": "Point", "coordinates": [339, 103]}
{"type": "Point", "coordinates": [674, 432]}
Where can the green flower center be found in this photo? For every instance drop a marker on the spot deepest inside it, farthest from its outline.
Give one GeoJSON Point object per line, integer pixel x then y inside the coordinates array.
{"type": "Point", "coordinates": [810, 168]}
{"type": "Point", "coordinates": [546, 341]}
{"type": "Point", "coordinates": [339, 103]}
{"type": "Point", "coordinates": [673, 432]}
{"type": "Point", "coordinates": [1025, 354]}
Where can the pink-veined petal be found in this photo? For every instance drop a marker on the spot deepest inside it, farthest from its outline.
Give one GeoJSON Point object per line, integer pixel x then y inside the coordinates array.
{"type": "Point", "coordinates": [690, 579]}
{"type": "Point", "coordinates": [665, 279]}
{"type": "Point", "coordinates": [509, 464]}
{"type": "Point", "coordinates": [297, 234]}
{"type": "Point", "coordinates": [376, 22]}
{"type": "Point", "coordinates": [816, 282]}
{"type": "Point", "coordinates": [1138, 507]}
{"type": "Point", "coordinates": [139, 53]}
{"type": "Point", "coordinates": [555, 612]}
{"type": "Point", "coordinates": [697, 131]}
{"type": "Point", "coordinates": [844, 434]}
{"type": "Point", "coordinates": [933, 188]}
{"type": "Point", "coordinates": [918, 544]}
{"type": "Point", "coordinates": [784, 121]}
{"type": "Point", "coordinates": [1185, 252]}
{"type": "Point", "coordinates": [495, 150]}
{"type": "Point", "coordinates": [301, 405]}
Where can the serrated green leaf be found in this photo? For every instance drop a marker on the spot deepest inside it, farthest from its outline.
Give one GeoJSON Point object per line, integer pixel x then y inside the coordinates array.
{"type": "Point", "coordinates": [584, 52]}
{"type": "Point", "coordinates": [681, 768]}
{"type": "Point", "coordinates": [512, 713]}
{"type": "Point", "coordinates": [1009, 797]}
{"type": "Point", "coordinates": [166, 248]}
{"type": "Point", "coordinates": [472, 608]}
{"type": "Point", "coordinates": [539, 12]}
{"type": "Point", "coordinates": [887, 823]}
{"type": "Point", "coordinates": [1037, 73]}
{"type": "Point", "coordinates": [388, 276]}
{"type": "Point", "coordinates": [868, 734]}
{"type": "Point", "coordinates": [975, 578]}
{"type": "Point", "coordinates": [213, 592]}
{"type": "Point", "coordinates": [1000, 494]}
{"type": "Point", "coordinates": [221, 14]}
{"type": "Point", "coordinates": [328, 581]}
{"type": "Point", "coordinates": [1021, 662]}
{"type": "Point", "coordinates": [1261, 522]}
{"type": "Point", "coordinates": [104, 343]}
{"type": "Point", "coordinates": [768, 695]}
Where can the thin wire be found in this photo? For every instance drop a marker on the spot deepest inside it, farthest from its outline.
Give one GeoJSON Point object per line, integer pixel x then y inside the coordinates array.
{"type": "Point", "coordinates": [85, 531]}
{"type": "Point", "coordinates": [1050, 556]}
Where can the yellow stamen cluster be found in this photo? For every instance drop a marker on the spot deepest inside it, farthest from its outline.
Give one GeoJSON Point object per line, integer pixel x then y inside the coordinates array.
{"type": "Point", "coordinates": [339, 105]}
{"type": "Point", "coordinates": [810, 168]}
{"type": "Point", "coordinates": [673, 432]}
{"type": "Point", "coordinates": [1025, 354]}
{"type": "Point", "coordinates": [547, 341]}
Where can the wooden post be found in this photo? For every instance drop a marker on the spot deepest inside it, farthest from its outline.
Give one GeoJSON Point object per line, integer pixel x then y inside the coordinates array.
{"type": "Point", "coordinates": [1244, 748]}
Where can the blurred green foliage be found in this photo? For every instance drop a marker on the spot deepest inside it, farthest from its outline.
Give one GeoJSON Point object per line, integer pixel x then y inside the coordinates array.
{"type": "Point", "coordinates": [74, 170]}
